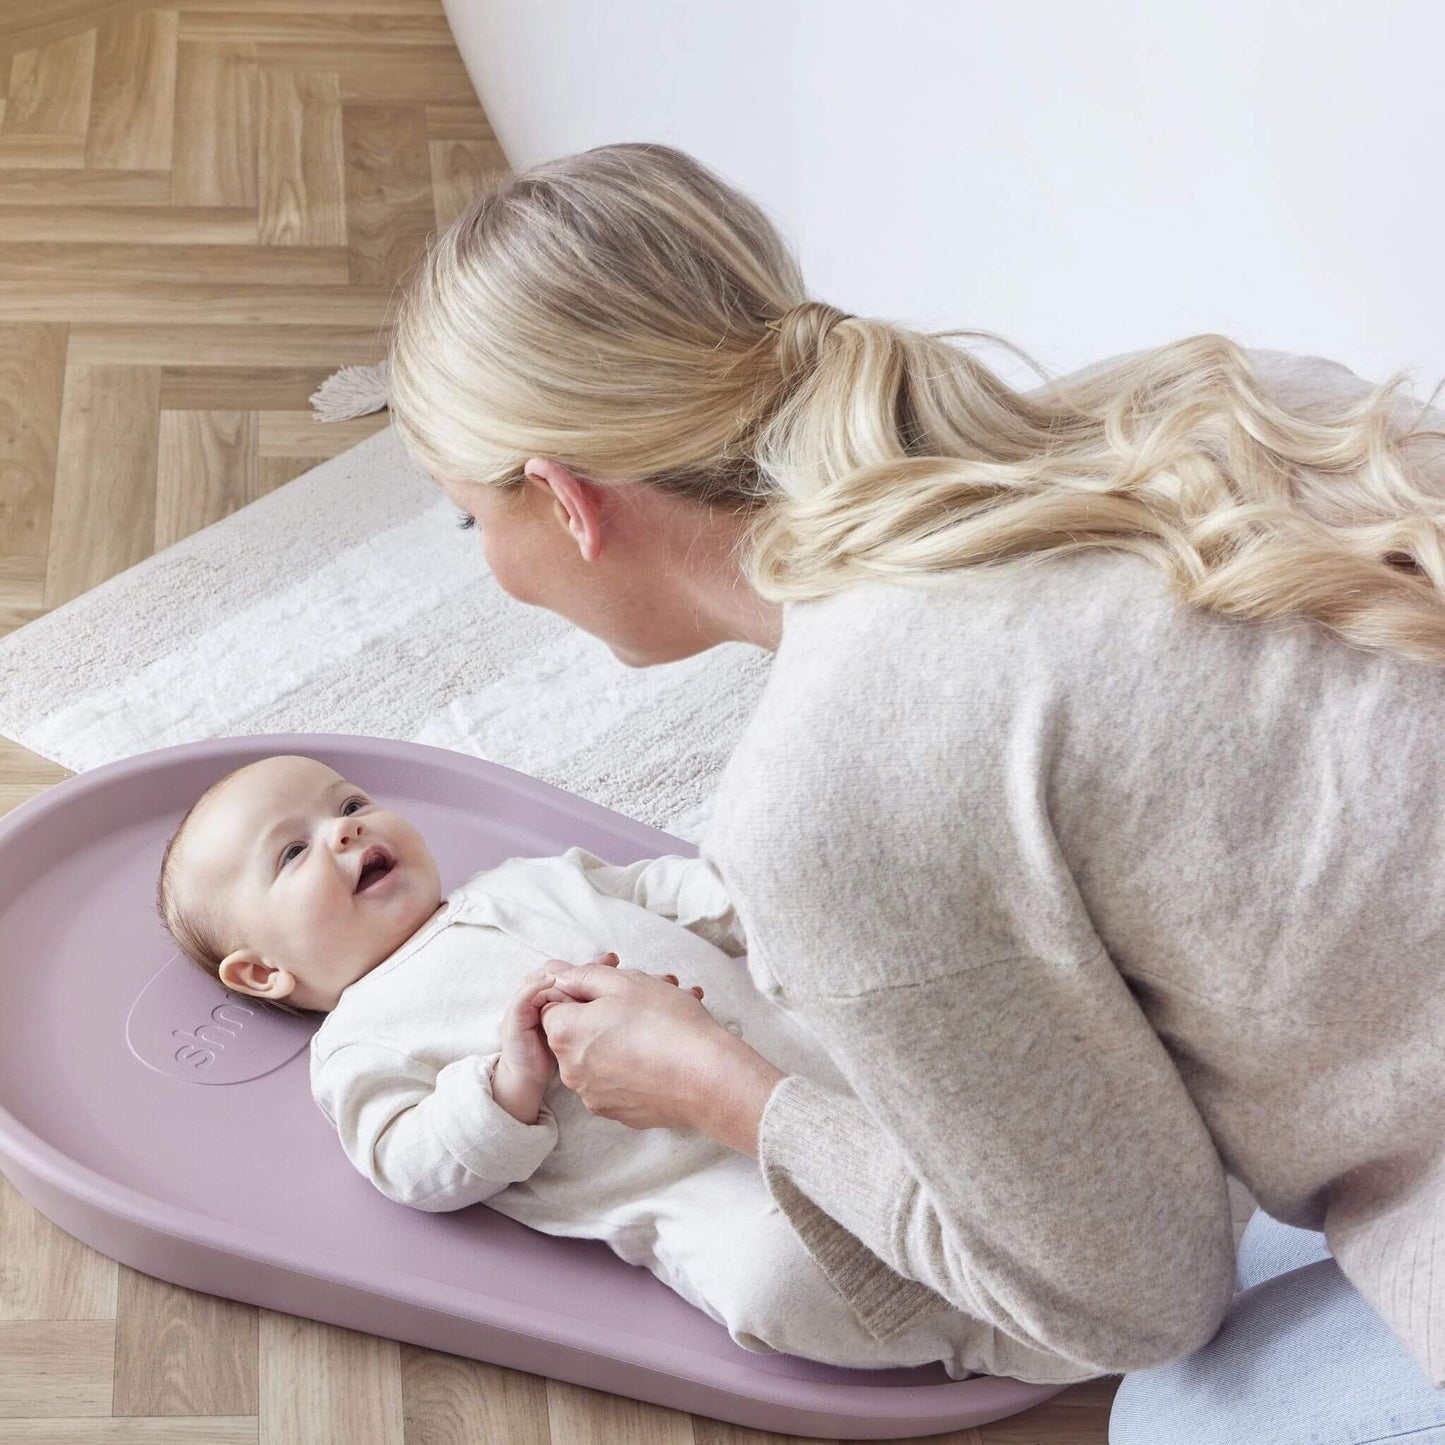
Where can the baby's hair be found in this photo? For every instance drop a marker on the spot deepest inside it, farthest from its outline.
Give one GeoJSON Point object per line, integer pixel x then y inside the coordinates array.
{"type": "Point", "coordinates": [197, 925]}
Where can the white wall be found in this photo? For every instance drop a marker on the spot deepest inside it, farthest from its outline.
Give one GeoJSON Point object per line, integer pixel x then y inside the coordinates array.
{"type": "Point", "coordinates": [1082, 178]}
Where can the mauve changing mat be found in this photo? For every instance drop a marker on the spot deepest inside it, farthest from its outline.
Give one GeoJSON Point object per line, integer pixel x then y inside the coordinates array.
{"type": "Point", "coordinates": [161, 1120]}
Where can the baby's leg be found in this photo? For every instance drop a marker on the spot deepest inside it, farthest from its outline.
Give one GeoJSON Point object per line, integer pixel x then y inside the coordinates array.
{"type": "Point", "coordinates": [752, 1273]}
{"type": "Point", "coordinates": [967, 1345]}
{"type": "Point", "coordinates": [743, 1264]}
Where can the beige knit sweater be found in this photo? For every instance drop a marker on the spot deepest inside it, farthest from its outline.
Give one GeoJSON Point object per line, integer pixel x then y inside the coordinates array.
{"type": "Point", "coordinates": [1093, 897]}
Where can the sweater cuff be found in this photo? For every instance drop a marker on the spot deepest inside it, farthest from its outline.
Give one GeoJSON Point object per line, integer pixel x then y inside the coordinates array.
{"type": "Point", "coordinates": [837, 1192]}
{"type": "Point", "coordinates": [479, 1132]}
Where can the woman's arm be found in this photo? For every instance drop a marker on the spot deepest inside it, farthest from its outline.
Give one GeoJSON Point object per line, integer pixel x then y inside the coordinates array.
{"type": "Point", "coordinates": [1021, 1145]}
{"type": "Point", "coordinates": [640, 1052]}
{"type": "Point", "coordinates": [645, 1052]}
{"type": "Point", "coordinates": [730, 1087]}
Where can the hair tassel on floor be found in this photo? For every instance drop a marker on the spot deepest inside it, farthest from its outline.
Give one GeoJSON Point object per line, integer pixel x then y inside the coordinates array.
{"type": "Point", "coordinates": [352, 391]}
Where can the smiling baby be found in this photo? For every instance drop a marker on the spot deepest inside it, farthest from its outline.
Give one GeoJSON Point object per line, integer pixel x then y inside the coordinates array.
{"type": "Point", "coordinates": [295, 886]}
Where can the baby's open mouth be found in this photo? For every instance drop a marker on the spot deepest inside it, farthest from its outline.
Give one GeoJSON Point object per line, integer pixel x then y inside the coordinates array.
{"type": "Point", "coordinates": [374, 866]}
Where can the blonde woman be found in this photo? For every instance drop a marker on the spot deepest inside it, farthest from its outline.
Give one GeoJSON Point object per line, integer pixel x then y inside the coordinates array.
{"type": "Point", "coordinates": [1093, 814]}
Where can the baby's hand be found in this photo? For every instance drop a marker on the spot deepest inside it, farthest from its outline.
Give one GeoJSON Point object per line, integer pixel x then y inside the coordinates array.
{"type": "Point", "coordinates": [526, 1056]}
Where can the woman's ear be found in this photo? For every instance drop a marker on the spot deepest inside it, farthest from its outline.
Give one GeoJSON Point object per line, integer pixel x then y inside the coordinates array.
{"type": "Point", "coordinates": [574, 503]}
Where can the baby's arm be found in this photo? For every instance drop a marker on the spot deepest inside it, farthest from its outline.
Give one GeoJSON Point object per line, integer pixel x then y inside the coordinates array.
{"type": "Point", "coordinates": [435, 1139]}
{"type": "Point", "coordinates": [527, 1064]}
{"type": "Point", "coordinates": [687, 890]}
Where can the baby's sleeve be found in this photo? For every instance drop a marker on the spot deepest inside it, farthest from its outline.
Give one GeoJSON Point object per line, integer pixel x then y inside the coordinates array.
{"type": "Point", "coordinates": [686, 890]}
{"type": "Point", "coordinates": [435, 1139]}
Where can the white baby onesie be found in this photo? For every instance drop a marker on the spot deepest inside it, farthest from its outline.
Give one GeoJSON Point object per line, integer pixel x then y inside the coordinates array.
{"type": "Point", "coordinates": [402, 1067]}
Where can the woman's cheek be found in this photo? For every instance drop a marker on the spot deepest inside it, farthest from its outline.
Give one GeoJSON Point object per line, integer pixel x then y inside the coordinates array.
{"type": "Point", "coordinates": [503, 566]}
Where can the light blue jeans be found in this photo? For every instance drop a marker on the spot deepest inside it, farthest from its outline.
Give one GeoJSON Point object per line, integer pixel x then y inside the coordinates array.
{"type": "Point", "coordinates": [1301, 1359]}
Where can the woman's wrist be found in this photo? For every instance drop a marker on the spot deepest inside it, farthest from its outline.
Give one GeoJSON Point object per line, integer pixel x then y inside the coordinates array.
{"type": "Point", "coordinates": [731, 1088]}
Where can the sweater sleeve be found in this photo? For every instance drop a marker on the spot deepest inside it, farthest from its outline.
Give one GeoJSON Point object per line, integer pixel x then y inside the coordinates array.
{"type": "Point", "coordinates": [686, 890]}
{"type": "Point", "coordinates": [434, 1139]}
{"type": "Point", "coordinates": [1021, 1145]}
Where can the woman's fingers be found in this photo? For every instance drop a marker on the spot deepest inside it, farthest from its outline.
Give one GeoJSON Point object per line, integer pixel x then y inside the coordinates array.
{"type": "Point", "coordinates": [588, 980]}
{"type": "Point", "coordinates": [582, 987]}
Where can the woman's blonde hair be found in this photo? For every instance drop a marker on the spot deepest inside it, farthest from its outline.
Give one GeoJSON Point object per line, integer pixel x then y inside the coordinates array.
{"type": "Point", "coordinates": [610, 310]}
{"type": "Point", "coordinates": [195, 924]}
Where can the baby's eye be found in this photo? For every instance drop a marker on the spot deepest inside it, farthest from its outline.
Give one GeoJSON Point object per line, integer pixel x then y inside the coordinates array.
{"type": "Point", "coordinates": [357, 798]}
{"type": "Point", "coordinates": [466, 520]}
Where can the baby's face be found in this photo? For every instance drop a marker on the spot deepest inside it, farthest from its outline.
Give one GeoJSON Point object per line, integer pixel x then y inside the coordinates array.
{"type": "Point", "coordinates": [280, 850]}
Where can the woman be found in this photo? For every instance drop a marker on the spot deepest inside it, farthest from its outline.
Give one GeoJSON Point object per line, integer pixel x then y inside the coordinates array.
{"type": "Point", "coordinates": [1087, 813]}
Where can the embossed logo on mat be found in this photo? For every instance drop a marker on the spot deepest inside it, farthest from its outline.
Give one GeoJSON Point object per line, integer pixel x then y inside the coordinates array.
{"type": "Point", "coordinates": [186, 1025]}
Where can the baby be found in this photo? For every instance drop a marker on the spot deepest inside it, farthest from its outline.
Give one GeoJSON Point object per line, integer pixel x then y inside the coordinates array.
{"type": "Point", "coordinates": [291, 884]}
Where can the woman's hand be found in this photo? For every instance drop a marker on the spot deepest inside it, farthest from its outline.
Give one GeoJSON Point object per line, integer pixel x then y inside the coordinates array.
{"type": "Point", "coordinates": [638, 1049]}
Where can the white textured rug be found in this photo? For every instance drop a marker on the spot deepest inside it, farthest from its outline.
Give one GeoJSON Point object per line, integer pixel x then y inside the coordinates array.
{"type": "Point", "coordinates": [349, 601]}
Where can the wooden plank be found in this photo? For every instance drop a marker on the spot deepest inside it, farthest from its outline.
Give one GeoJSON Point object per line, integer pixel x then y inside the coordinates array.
{"type": "Point", "coordinates": [451, 1398]}
{"type": "Point", "coordinates": [389, 208]}
{"type": "Point", "coordinates": [315, 7]}
{"type": "Point", "coordinates": [50, 89]}
{"type": "Point", "coordinates": [430, 76]}
{"type": "Point", "coordinates": [140, 225]}
{"type": "Point", "coordinates": [22, 600]}
{"type": "Point", "coordinates": [273, 472]}
{"type": "Point", "coordinates": [302, 170]}
{"type": "Point", "coordinates": [354, 30]}
{"type": "Point", "coordinates": [85, 187]}
{"type": "Point", "coordinates": [182, 1430]}
{"type": "Point", "coordinates": [458, 121]}
{"type": "Point", "coordinates": [582, 1416]}
{"type": "Point", "coordinates": [132, 104]}
{"type": "Point", "coordinates": [460, 171]}
{"type": "Point", "coordinates": [105, 471]}
{"type": "Point", "coordinates": [51, 1368]}
{"type": "Point", "coordinates": [164, 344]}
{"type": "Point", "coordinates": [62, 1280]}
{"type": "Point", "coordinates": [720, 1432]}
{"type": "Point", "coordinates": [32, 385]}
{"type": "Point", "coordinates": [326, 1383]}
{"type": "Point", "coordinates": [205, 470]}
{"type": "Point", "coordinates": [154, 302]}
{"type": "Point", "coordinates": [26, 24]}
{"type": "Point", "coordinates": [24, 152]}
{"type": "Point", "coordinates": [247, 388]}
{"type": "Point", "coordinates": [183, 1352]}
{"type": "Point", "coordinates": [116, 263]}
{"type": "Point", "coordinates": [215, 149]}
{"type": "Point", "coordinates": [300, 434]}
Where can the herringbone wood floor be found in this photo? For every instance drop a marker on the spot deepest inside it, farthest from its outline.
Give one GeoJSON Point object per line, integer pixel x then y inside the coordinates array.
{"type": "Point", "coordinates": [204, 211]}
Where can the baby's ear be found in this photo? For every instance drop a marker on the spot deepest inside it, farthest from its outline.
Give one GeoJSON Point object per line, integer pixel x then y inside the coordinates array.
{"type": "Point", "coordinates": [244, 971]}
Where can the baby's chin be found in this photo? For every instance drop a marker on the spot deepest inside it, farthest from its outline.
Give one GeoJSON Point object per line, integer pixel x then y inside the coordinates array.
{"type": "Point", "coordinates": [393, 928]}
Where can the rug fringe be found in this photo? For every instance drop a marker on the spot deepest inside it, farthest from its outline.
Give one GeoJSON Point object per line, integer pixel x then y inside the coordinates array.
{"type": "Point", "coordinates": [352, 391]}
